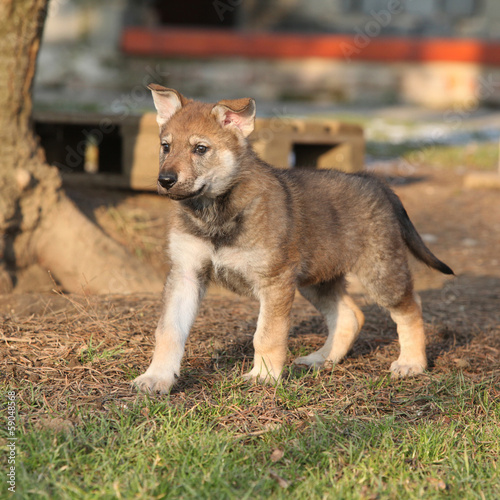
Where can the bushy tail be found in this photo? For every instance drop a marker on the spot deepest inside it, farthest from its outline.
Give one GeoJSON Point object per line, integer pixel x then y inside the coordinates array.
{"type": "Point", "coordinates": [413, 240]}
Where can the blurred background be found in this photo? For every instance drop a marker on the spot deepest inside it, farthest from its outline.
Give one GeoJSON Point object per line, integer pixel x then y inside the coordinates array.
{"type": "Point", "coordinates": [436, 53]}
{"type": "Point", "coordinates": [409, 89]}
{"type": "Point", "coordinates": [408, 71]}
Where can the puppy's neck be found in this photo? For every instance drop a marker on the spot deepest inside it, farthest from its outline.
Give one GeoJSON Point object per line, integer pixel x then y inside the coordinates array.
{"type": "Point", "coordinates": [233, 199]}
{"type": "Point", "coordinates": [200, 205]}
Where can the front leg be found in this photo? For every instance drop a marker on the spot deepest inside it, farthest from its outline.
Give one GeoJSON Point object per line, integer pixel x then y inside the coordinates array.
{"type": "Point", "coordinates": [184, 290]}
{"type": "Point", "coordinates": [183, 295]}
{"type": "Point", "coordinates": [270, 339]}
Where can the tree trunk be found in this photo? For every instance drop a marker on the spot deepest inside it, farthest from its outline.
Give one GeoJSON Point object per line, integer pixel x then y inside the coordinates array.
{"type": "Point", "coordinates": [38, 223]}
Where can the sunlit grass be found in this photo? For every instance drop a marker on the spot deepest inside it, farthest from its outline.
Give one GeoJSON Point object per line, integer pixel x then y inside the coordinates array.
{"type": "Point", "coordinates": [155, 449]}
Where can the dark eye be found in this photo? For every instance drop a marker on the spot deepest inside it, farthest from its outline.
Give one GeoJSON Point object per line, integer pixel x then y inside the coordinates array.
{"type": "Point", "coordinates": [200, 149]}
{"type": "Point", "coordinates": [165, 148]}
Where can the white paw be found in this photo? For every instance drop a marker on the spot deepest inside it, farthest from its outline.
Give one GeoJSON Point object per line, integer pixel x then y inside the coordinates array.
{"type": "Point", "coordinates": [263, 376]}
{"type": "Point", "coordinates": [406, 368]}
{"type": "Point", "coordinates": [153, 383]}
{"type": "Point", "coordinates": [314, 360]}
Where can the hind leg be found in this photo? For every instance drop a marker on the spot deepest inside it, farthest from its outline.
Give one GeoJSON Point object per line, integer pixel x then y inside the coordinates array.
{"type": "Point", "coordinates": [408, 318]}
{"type": "Point", "coordinates": [388, 281]}
{"type": "Point", "coordinates": [343, 318]}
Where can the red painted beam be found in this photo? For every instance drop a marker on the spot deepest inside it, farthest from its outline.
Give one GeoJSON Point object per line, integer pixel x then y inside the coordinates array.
{"type": "Point", "coordinates": [180, 42]}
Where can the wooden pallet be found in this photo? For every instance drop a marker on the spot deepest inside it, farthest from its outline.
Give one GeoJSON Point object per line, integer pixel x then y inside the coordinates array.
{"type": "Point", "coordinates": [109, 151]}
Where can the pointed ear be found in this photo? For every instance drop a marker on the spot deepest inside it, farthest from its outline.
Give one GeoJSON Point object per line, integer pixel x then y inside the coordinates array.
{"type": "Point", "coordinates": [236, 112]}
{"type": "Point", "coordinates": [167, 102]}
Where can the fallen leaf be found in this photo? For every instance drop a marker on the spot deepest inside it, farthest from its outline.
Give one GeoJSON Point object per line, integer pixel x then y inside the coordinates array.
{"type": "Point", "coordinates": [282, 482]}
{"type": "Point", "coordinates": [439, 484]}
{"type": "Point", "coordinates": [276, 455]}
{"type": "Point", "coordinates": [461, 363]}
{"type": "Point", "coordinates": [442, 485]}
{"type": "Point", "coordinates": [366, 494]}
{"type": "Point", "coordinates": [74, 362]}
{"type": "Point", "coordinates": [116, 487]}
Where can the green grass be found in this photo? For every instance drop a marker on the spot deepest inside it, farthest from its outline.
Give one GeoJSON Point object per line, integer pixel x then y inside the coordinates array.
{"type": "Point", "coordinates": [436, 440]}
{"type": "Point", "coordinates": [92, 353]}
{"type": "Point", "coordinates": [475, 155]}
{"type": "Point", "coordinates": [478, 153]}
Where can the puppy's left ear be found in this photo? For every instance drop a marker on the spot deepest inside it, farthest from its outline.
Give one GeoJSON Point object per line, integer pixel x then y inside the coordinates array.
{"type": "Point", "coordinates": [239, 113]}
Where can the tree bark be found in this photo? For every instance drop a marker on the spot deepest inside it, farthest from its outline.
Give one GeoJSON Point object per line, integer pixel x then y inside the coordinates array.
{"type": "Point", "coordinates": [38, 223]}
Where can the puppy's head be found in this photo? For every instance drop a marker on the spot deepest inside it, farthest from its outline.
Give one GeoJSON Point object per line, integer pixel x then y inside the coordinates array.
{"type": "Point", "coordinates": [201, 144]}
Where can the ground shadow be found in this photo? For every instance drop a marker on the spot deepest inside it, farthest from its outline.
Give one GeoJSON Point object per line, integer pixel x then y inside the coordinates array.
{"type": "Point", "coordinates": [462, 314]}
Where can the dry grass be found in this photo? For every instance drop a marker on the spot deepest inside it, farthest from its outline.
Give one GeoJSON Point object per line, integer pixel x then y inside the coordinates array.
{"type": "Point", "coordinates": [346, 432]}
{"type": "Point", "coordinates": [350, 432]}
{"type": "Point", "coordinates": [86, 354]}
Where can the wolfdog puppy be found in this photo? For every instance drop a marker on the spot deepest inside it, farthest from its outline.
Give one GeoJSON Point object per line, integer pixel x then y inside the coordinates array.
{"type": "Point", "coordinates": [266, 232]}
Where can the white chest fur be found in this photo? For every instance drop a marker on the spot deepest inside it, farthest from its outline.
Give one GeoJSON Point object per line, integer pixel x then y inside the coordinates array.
{"type": "Point", "coordinates": [240, 269]}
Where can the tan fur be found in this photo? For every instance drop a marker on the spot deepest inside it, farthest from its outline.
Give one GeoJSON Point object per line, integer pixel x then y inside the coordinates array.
{"type": "Point", "coordinates": [408, 318]}
{"type": "Point", "coordinates": [265, 232]}
{"type": "Point", "coordinates": [344, 320]}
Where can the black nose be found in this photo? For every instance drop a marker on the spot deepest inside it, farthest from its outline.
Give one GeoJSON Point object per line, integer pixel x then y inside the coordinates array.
{"type": "Point", "coordinates": [167, 179]}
